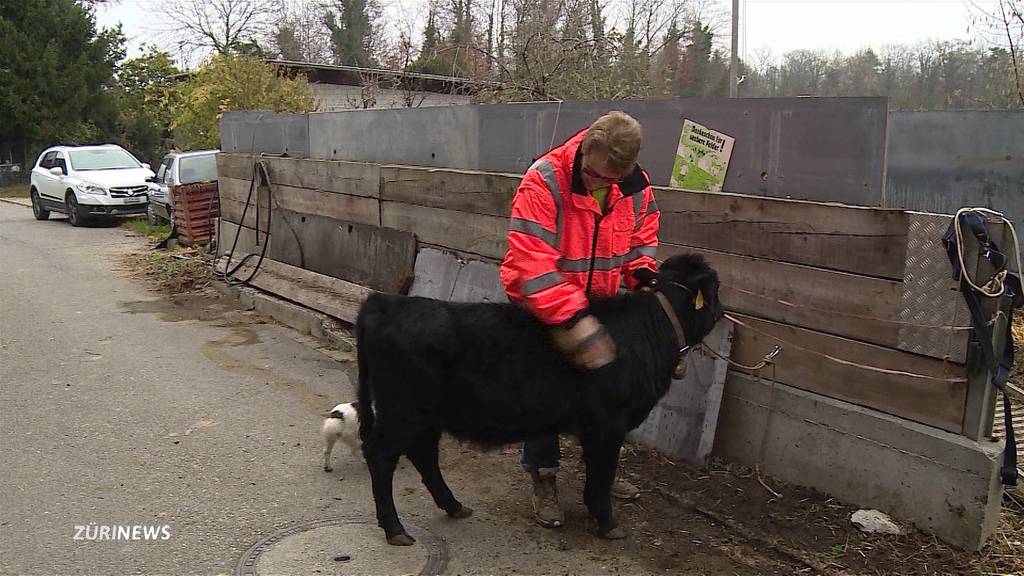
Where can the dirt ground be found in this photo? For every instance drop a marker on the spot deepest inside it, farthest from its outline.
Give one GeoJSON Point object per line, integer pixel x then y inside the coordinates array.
{"type": "Point", "coordinates": [718, 519]}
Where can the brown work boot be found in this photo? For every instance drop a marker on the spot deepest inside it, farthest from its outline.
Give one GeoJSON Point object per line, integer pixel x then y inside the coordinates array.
{"type": "Point", "coordinates": [623, 490]}
{"type": "Point", "coordinates": [546, 510]}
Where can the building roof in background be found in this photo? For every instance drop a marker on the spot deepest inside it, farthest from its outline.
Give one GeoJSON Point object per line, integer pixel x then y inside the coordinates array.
{"type": "Point", "coordinates": [357, 76]}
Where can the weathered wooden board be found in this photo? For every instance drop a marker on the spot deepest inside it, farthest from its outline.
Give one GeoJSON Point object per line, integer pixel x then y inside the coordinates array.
{"type": "Point", "coordinates": [935, 401]}
{"type": "Point", "coordinates": [477, 192]}
{"type": "Point", "coordinates": [850, 305]}
{"type": "Point", "coordinates": [340, 206]}
{"type": "Point", "coordinates": [380, 258]}
{"type": "Point", "coordinates": [247, 243]}
{"type": "Point", "coordinates": [463, 231]}
{"type": "Point", "coordinates": [329, 295]}
{"type": "Point", "coordinates": [869, 241]}
{"type": "Point", "coordinates": [232, 211]}
{"type": "Point", "coordinates": [353, 178]}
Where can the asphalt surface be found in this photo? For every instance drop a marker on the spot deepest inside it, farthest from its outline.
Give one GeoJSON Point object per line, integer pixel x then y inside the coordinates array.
{"type": "Point", "coordinates": [121, 407]}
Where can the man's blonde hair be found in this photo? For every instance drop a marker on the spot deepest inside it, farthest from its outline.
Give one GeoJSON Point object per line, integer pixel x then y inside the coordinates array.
{"type": "Point", "coordinates": [616, 134]}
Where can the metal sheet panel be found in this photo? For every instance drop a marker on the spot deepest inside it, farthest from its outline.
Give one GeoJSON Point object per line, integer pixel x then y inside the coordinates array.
{"type": "Point", "coordinates": [824, 149]}
{"type": "Point", "coordinates": [440, 136]}
{"type": "Point", "coordinates": [930, 295]}
{"type": "Point", "coordinates": [942, 161]}
{"type": "Point", "coordinates": [265, 132]}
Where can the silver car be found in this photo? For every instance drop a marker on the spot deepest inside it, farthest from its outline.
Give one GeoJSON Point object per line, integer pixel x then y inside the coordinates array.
{"type": "Point", "coordinates": [175, 169]}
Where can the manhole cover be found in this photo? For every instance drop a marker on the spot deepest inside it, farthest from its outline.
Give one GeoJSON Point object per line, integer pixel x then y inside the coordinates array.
{"type": "Point", "coordinates": [342, 545]}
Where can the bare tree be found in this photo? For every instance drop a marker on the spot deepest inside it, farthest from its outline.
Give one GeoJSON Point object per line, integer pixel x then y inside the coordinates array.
{"type": "Point", "coordinates": [1003, 26]}
{"type": "Point", "coordinates": [300, 34]}
{"type": "Point", "coordinates": [195, 27]}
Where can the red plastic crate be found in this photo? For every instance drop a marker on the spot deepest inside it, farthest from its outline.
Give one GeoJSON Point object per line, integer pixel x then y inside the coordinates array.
{"type": "Point", "coordinates": [195, 212]}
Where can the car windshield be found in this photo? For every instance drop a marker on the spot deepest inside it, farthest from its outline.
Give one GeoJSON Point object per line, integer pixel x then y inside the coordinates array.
{"type": "Point", "coordinates": [197, 168]}
{"type": "Point", "coordinates": [102, 159]}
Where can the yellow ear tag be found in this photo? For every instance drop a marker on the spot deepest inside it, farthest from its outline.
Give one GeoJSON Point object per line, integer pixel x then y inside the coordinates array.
{"type": "Point", "coordinates": [698, 302]}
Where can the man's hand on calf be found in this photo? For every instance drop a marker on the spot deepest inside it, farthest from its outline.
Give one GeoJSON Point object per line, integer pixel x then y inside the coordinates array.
{"type": "Point", "coordinates": [586, 344]}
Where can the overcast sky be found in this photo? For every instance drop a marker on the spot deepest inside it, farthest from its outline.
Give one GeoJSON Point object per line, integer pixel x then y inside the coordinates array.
{"type": "Point", "coordinates": [776, 26]}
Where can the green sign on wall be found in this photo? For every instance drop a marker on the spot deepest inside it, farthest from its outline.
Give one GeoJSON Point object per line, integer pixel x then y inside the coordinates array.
{"type": "Point", "coordinates": [702, 158]}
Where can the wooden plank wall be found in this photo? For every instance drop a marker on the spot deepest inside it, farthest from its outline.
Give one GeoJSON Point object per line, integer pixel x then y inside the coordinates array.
{"type": "Point", "coordinates": [326, 218]}
{"type": "Point", "coordinates": [819, 279]}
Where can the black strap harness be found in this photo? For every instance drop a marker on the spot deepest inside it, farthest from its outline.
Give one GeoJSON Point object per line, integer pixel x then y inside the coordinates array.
{"type": "Point", "coordinates": [1000, 365]}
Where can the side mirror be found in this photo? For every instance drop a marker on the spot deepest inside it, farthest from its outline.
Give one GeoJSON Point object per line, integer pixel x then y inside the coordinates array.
{"type": "Point", "coordinates": [57, 171]}
{"type": "Point", "coordinates": [151, 179]}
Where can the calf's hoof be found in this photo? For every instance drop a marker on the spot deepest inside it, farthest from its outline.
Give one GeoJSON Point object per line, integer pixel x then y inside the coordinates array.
{"type": "Point", "coordinates": [613, 533]}
{"type": "Point", "coordinates": [328, 469]}
{"type": "Point", "coordinates": [401, 539]}
{"type": "Point", "coordinates": [461, 512]}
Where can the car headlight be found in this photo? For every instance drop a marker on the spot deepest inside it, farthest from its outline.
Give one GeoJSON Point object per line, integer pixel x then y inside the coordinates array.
{"type": "Point", "coordinates": [92, 189]}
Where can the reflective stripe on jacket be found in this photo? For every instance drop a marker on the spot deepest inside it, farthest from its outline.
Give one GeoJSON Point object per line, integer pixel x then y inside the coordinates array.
{"type": "Point", "coordinates": [555, 261]}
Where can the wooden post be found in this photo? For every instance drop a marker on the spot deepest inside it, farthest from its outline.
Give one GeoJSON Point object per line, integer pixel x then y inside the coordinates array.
{"type": "Point", "coordinates": [981, 395]}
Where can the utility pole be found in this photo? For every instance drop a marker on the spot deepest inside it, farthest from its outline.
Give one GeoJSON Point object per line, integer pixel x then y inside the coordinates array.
{"type": "Point", "coordinates": [733, 60]}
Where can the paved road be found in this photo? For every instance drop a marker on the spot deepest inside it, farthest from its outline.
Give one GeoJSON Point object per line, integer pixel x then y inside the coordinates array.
{"type": "Point", "coordinates": [121, 407]}
{"type": "Point", "coordinates": [117, 409]}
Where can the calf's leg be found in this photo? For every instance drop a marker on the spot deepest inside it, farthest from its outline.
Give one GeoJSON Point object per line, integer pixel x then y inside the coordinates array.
{"type": "Point", "coordinates": [381, 460]}
{"type": "Point", "coordinates": [601, 454]}
{"type": "Point", "coordinates": [423, 454]}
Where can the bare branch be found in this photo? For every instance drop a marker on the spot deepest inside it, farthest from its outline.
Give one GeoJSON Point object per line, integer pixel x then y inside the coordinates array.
{"type": "Point", "coordinates": [1013, 52]}
{"type": "Point", "coordinates": [191, 27]}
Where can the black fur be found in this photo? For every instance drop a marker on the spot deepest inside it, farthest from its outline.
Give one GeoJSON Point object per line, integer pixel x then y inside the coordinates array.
{"type": "Point", "coordinates": [488, 373]}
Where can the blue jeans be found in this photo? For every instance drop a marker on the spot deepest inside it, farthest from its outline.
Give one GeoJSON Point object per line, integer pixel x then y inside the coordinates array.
{"type": "Point", "coordinates": [541, 453]}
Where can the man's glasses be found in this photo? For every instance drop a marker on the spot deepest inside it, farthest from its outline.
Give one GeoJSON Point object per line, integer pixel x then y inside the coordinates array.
{"type": "Point", "coordinates": [592, 174]}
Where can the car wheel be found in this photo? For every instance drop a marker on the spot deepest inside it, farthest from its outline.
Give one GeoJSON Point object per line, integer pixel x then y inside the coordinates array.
{"type": "Point", "coordinates": [74, 211]}
{"type": "Point", "coordinates": [37, 207]}
{"type": "Point", "coordinates": [151, 216]}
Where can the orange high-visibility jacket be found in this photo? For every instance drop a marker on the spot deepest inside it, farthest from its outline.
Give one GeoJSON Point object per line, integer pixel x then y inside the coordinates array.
{"type": "Point", "coordinates": [562, 249]}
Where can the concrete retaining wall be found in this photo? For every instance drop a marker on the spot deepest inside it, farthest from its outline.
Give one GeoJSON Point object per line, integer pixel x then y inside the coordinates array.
{"type": "Point", "coordinates": [942, 482]}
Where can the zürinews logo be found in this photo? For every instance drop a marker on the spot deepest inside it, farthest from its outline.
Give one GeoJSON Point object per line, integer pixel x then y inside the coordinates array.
{"type": "Point", "coordinates": [93, 532]}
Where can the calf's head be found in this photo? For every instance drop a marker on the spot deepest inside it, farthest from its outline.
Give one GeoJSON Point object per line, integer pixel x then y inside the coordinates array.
{"type": "Point", "coordinates": [691, 286]}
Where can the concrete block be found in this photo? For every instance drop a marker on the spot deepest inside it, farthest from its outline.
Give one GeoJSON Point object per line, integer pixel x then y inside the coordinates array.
{"type": "Point", "coordinates": [294, 316]}
{"type": "Point", "coordinates": [944, 483]}
{"type": "Point", "coordinates": [478, 282]}
{"type": "Point", "coordinates": [683, 424]}
{"type": "Point", "coordinates": [435, 274]}
{"type": "Point", "coordinates": [316, 325]}
{"type": "Point", "coordinates": [339, 338]}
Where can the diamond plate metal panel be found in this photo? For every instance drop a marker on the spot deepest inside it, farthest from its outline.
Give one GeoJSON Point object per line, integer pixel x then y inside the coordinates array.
{"type": "Point", "coordinates": [931, 305]}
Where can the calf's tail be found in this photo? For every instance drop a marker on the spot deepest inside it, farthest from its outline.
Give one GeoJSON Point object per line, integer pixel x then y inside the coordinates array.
{"type": "Point", "coordinates": [365, 392]}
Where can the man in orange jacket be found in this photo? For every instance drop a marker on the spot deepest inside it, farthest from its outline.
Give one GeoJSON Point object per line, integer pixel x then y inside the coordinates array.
{"type": "Point", "coordinates": [584, 222]}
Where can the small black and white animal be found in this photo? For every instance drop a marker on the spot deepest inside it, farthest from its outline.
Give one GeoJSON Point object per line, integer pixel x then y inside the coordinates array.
{"type": "Point", "coordinates": [342, 423]}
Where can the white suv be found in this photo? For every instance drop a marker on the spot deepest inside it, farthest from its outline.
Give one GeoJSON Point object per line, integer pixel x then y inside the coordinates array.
{"type": "Point", "coordinates": [89, 181]}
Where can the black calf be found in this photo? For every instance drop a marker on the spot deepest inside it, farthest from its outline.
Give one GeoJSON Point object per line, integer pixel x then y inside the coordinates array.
{"type": "Point", "coordinates": [487, 373]}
